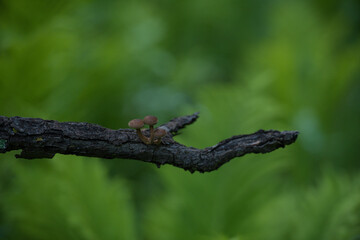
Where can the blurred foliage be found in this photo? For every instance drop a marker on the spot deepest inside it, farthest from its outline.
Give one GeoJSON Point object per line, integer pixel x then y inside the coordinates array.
{"type": "Point", "coordinates": [66, 199]}
{"type": "Point", "coordinates": [244, 65]}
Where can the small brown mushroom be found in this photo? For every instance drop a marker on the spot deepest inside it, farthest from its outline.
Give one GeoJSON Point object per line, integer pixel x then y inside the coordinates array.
{"type": "Point", "coordinates": [158, 134]}
{"type": "Point", "coordinates": [151, 121]}
{"type": "Point", "coordinates": [138, 124]}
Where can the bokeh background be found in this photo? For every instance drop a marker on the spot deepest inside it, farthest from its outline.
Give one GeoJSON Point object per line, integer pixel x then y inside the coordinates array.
{"type": "Point", "coordinates": [245, 65]}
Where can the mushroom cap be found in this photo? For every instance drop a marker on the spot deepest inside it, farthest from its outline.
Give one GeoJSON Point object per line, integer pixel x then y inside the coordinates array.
{"type": "Point", "coordinates": [136, 123]}
{"type": "Point", "coordinates": [150, 120]}
{"type": "Point", "coordinates": [159, 132]}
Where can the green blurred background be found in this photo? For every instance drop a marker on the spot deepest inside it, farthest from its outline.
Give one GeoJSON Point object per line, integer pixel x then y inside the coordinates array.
{"type": "Point", "coordinates": [245, 65]}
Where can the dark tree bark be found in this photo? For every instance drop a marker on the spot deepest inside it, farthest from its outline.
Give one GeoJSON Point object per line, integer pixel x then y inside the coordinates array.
{"type": "Point", "coordinates": [38, 138]}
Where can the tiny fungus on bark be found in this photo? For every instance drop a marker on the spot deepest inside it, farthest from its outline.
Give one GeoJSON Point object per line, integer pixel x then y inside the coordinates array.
{"type": "Point", "coordinates": [151, 121]}
{"type": "Point", "coordinates": [158, 134]}
{"type": "Point", "coordinates": [138, 124]}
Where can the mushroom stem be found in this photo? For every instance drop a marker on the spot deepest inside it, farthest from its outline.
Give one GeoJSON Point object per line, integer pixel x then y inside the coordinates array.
{"type": "Point", "coordinates": [151, 121]}
{"type": "Point", "coordinates": [151, 134]}
{"type": "Point", "coordinates": [142, 137]}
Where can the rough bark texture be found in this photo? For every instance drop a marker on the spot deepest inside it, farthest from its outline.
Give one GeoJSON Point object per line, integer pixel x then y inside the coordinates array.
{"type": "Point", "coordinates": [38, 138]}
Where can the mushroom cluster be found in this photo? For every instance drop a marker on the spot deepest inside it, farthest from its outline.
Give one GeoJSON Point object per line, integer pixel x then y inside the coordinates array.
{"type": "Point", "coordinates": [155, 135]}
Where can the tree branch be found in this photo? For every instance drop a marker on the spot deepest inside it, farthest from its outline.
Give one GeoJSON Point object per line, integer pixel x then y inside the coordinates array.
{"type": "Point", "coordinates": [38, 138]}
